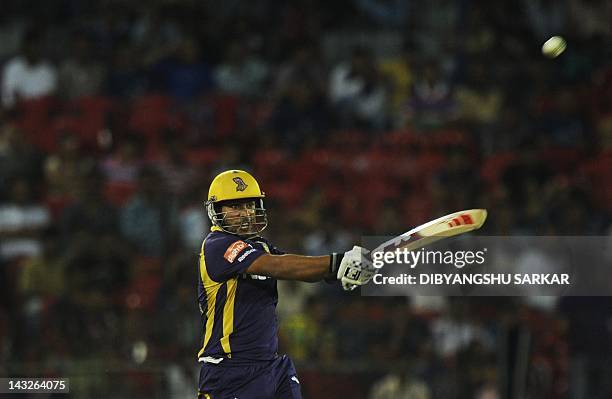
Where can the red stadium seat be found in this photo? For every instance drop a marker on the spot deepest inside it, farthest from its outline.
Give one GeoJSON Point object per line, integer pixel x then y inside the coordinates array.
{"type": "Point", "coordinates": [34, 116]}
{"type": "Point", "coordinates": [319, 158]}
{"type": "Point", "coordinates": [417, 209]}
{"type": "Point", "coordinates": [400, 138]}
{"type": "Point", "coordinates": [561, 159]}
{"type": "Point", "coordinates": [39, 109]}
{"type": "Point", "coordinates": [201, 157]}
{"type": "Point", "coordinates": [56, 204]}
{"type": "Point", "coordinates": [91, 114]}
{"type": "Point", "coordinates": [119, 193]}
{"type": "Point", "coordinates": [319, 384]}
{"type": "Point", "coordinates": [272, 163]}
{"type": "Point", "coordinates": [146, 283]}
{"type": "Point", "coordinates": [378, 162]}
{"type": "Point", "coordinates": [444, 139]}
{"type": "Point", "coordinates": [290, 192]}
{"type": "Point", "coordinates": [599, 174]}
{"type": "Point", "coordinates": [151, 114]}
{"type": "Point", "coordinates": [143, 292]}
{"type": "Point", "coordinates": [226, 114]}
{"type": "Point", "coordinates": [259, 114]}
{"type": "Point", "coordinates": [303, 172]}
{"type": "Point", "coordinates": [270, 157]}
{"type": "Point", "coordinates": [430, 163]}
{"type": "Point", "coordinates": [493, 167]}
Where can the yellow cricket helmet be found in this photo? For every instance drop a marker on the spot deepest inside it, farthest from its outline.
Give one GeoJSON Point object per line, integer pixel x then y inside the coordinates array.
{"type": "Point", "coordinates": [232, 187]}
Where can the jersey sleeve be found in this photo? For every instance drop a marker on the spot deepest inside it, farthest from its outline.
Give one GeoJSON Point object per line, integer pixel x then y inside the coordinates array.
{"type": "Point", "coordinates": [273, 248]}
{"type": "Point", "coordinates": [227, 256]}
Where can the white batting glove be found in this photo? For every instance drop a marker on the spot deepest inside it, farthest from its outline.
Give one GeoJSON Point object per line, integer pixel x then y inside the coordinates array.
{"type": "Point", "coordinates": [355, 268]}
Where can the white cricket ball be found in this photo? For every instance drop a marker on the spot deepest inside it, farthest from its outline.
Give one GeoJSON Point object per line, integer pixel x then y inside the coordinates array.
{"type": "Point", "coordinates": [554, 46]}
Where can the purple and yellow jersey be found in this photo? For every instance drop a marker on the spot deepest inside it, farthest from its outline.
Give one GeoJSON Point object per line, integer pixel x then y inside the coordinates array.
{"type": "Point", "coordinates": [239, 309]}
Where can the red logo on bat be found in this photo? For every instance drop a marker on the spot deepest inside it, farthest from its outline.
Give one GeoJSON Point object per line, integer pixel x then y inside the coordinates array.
{"type": "Point", "coordinates": [462, 219]}
{"type": "Point", "coordinates": [234, 250]}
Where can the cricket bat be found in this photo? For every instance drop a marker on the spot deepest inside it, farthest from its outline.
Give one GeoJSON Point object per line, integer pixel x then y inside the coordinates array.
{"type": "Point", "coordinates": [435, 230]}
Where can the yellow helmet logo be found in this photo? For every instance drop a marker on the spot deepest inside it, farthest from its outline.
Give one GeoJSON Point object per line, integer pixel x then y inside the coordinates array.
{"type": "Point", "coordinates": [240, 184]}
{"type": "Point", "coordinates": [232, 185]}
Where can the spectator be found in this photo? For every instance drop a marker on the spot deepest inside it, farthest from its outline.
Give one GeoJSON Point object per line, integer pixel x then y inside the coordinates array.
{"type": "Point", "coordinates": [478, 36]}
{"type": "Point", "coordinates": [564, 124]}
{"type": "Point", "coordinates": [184, 75]}
{"type": "Point", "coordinates": [300, 116]}
{"type": "Point", "coordinates": [124, 164]}
{"type": "Point", "coordinates": [28, 75]}
{"type": "Point", "coordinates": [591, 18]}
{"type": "Point", "coordinates": [241, 73]}
{"type": "Point", "coordinates": [301, 332]}
{"type": "Point", "coordinates": [43, 275]}
{"type": "Point", "coordinates": [479, 99]}
{"type": "Point", "coordinates": [148, 219]}
{"type": "Point", "coordinates": [90, 213]}
{"type": "Point", "coordinates": [22, 220]}
{"type": "Point", "coordinates": [399, 76]}
{"type": "Point", "coordinates": [80, 75]}
{"type": "Point", "coordinates": [97, 272]}
{"type": "Point", "coordinates": [432, 102]}
{"type": "Point", "coordinates": [546, 17]}
{"type": "Point", "coordinates": [400, 384]}
{"type": "Point", "coordinates": [302, 68]}
{"type": "Point", "coordinates": [436, 26]}
{"type": "Point", "coordinates": [193, 224]}
{"type": "Point", "coordinates": [18, 158]}
{"type": "Point", "coordinates": [295, 298]}
{"type": "Point", "coordinates": [387, 14]}
{"type": "Point", "coordinates": [455, 185]}
{"type": "Point", "coordinates": [179, 176]}
{"type": "Point", "coordinates": [458, 330]}
{"type": "Point", "coordinates": [357, 92]}
{"type": "Point", "coordinates": [301, 112]}
{"type": "Point", "coordinates": [126, 76]}
{"type": "Point", "coordinates": [156, 31]}
{"type": "Point", "coordinates": [63, 167]}
{"type": "Point", "coordinates": [527, 175]}
{"type": "Point", "coordinates": [589, 343]}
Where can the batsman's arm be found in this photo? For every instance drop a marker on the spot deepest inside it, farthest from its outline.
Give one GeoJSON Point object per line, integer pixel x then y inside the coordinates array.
{"type": "Point", "coordinates": [297, 267]}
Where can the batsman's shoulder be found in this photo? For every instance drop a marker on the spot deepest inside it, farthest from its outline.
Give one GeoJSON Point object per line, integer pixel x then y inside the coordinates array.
{"type": "Point", "coordinates": [268, 245]}
{"type": "Point", "coordinates": [219, 241]}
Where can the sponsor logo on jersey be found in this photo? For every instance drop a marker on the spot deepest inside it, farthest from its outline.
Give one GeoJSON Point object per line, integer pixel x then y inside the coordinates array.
{"type": "Point", "coordinates": [244, 255]}
{"type": "Point", "coordinates": [234, 250]}
{"type": "Point", "coordinates": [240, 184]}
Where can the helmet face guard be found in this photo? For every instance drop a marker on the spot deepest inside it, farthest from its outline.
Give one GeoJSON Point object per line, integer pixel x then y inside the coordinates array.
{"type": "Point", "coordinates": [247, 225]}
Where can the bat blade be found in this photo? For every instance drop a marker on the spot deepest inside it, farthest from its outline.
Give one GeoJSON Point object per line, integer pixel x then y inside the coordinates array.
{"type": "Point", "coordinates": [437, 229]}
{"type": "Point", "coordinates": [430, 232]}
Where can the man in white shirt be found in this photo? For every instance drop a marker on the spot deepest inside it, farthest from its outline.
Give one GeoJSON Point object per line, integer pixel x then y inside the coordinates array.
{"type": "Point", "coordinates": [357, 92]}
{"type": "Point", "coordinates": [27, 75]}
{"type": "Point", "coordinates": [22, 221]}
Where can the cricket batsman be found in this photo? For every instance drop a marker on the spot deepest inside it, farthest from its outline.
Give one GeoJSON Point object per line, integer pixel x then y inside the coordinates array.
{"type": "Point", "coordinates": [237, 294]}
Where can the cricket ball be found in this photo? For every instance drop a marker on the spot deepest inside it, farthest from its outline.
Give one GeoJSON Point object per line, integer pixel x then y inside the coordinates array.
{"type": "Point", "coordinates": [554, 46]}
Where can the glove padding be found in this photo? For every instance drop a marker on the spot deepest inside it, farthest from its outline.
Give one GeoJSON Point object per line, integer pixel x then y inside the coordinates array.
{"type": "Point", "coordinates": [355, 268]}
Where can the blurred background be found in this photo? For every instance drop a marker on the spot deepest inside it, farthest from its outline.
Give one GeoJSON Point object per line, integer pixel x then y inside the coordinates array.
{"type": "Point", "coordinates": [358, 117]}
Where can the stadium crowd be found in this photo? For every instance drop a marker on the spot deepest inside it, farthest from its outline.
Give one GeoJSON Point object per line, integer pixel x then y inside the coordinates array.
{"type": "Point", "coordinates": [359, 118]}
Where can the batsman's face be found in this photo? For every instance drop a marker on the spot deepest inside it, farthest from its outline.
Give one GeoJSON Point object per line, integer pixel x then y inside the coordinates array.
{"type": "Point", "coordinates": [239, 216]}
